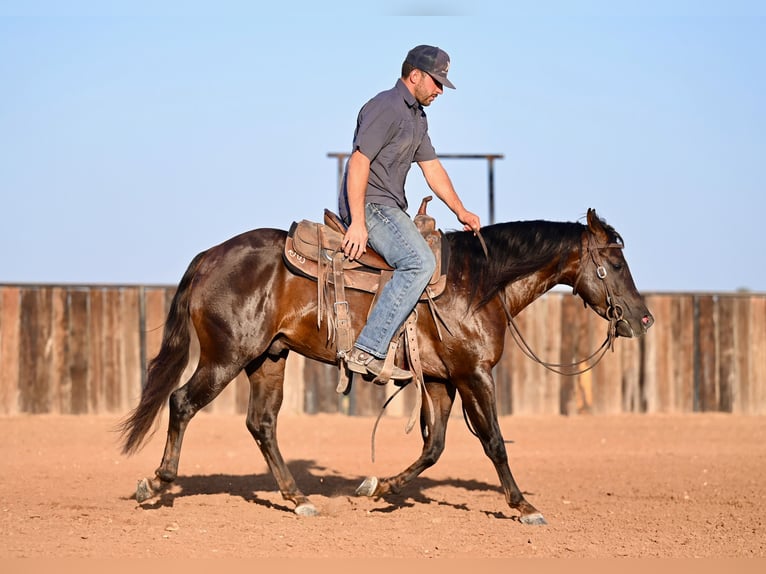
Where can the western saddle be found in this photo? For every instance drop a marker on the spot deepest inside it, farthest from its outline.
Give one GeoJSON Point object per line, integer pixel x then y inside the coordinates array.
{"type": "Point", "coordinates": [314, 251]}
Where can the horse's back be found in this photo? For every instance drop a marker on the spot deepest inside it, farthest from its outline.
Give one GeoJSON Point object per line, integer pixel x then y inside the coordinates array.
{"type": "Point", "coordinates": [242, 266]}
{"type": "Point", "coordinates": [242, 252]}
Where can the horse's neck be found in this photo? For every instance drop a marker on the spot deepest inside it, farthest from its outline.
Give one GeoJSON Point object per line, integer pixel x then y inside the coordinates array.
{"type": "Point", "coordinates": [524, 291]}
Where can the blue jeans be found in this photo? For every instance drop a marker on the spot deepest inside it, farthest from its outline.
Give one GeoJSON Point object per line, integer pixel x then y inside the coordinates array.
{"type": "Point", "coordinates": [393, 234]}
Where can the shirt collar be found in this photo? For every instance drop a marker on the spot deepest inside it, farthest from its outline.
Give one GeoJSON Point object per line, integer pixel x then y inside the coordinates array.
{"type": "Point", "coordinates": [407, 95]}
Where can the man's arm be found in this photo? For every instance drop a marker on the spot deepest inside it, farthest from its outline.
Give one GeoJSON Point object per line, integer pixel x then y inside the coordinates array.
{"type": "Point", "coordinates": [355, 240]}
{"type": "Point", "coordinates": [441, 184]}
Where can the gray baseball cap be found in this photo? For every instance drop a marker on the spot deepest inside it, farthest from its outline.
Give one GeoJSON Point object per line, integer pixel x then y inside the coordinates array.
{"type": "Point", "coordinates": [432, 60]}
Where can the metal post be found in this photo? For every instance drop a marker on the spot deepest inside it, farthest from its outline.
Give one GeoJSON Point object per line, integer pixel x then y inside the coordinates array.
{"type": "Point", "coordinates": [341, 157]}
{"type": "Point", "coordinates": [491, 183]}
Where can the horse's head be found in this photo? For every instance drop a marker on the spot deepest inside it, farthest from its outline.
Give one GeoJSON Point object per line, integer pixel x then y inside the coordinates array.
{"type": "Point", "coordinates": [604, 281]}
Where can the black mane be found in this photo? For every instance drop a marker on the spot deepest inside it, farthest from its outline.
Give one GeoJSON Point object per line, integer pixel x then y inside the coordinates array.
{"type": "Point", "coordinates": [516, 249]}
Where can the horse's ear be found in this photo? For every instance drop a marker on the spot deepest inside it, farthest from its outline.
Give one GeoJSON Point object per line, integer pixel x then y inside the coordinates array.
{"type": "Point", "coordinates": [595, 224]}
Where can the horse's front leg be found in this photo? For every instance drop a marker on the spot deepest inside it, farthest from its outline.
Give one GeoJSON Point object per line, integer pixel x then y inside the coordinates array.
{"type": "Point", "coordinates": [442, 397]}
{"type": "Point", "coordinates": [478, 396]}
{"type": "Point", "coordinates": [266, 394]}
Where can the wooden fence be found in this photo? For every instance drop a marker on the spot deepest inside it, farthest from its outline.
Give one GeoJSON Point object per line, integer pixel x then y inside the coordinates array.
{"type": "Point", "coordinates": [84, 349]}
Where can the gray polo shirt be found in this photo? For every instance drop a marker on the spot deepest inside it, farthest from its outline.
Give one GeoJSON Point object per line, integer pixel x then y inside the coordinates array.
{"type": "Point", "coordinates": [392, 131]}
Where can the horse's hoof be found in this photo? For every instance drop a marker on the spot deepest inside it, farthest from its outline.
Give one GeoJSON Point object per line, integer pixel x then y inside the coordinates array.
{"type": "Point", "coordinates": [535, 519]}
{"type": "Point", "coordinates": [368, 487]}
{"type": "Point", "coordinates": [306, 509]}
{"type": "Point", "coordinates": [144, 490]}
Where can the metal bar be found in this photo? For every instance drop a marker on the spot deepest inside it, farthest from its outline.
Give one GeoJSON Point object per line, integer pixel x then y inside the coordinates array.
{"type": "Point", "coordinates": [490, 157]}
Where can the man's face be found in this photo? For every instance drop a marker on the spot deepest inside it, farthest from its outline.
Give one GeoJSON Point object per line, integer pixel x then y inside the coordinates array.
{"type": "Point", "coordinates": [426, 88]}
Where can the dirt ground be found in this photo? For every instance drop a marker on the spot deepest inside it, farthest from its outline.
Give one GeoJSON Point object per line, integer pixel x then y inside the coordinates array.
{"type": "Point", "coordinates": [621, 486]}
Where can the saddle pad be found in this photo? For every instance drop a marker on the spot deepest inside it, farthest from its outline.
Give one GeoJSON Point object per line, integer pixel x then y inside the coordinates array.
{"type": "Point", "coordinates": [302, 253]}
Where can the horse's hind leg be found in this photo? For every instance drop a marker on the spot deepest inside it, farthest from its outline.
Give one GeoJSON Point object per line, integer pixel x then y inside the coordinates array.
{"type": "Point", "coordinates": [266, 394]}
{"type": "Point", "coordinates": [206, 384]}
{"type": "Point", "coordinates": [442, 397]}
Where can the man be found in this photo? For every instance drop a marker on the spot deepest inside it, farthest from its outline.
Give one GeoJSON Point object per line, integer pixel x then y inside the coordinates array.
{"type": "Point", "coordinates": [392, 134]}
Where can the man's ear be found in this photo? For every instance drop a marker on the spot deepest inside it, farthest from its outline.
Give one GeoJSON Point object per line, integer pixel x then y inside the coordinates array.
{"type": "Point", "coordinates": [411, 76]}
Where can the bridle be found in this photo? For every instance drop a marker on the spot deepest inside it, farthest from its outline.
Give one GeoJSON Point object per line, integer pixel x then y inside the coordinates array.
{"type": "Point", "coordinates": [614, 313]}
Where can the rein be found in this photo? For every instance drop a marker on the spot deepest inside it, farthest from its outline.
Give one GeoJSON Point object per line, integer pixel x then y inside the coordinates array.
{"type": "Point", "coordinates": [613, 312]}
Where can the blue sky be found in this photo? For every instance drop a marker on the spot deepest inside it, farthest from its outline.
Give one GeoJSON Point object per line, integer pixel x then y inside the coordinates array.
{"type": "Point", "coordinates": [134, 135]}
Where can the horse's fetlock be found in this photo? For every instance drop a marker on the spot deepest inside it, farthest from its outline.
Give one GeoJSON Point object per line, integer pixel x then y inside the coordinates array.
{"type": "Point", "coordinates": [165, 475]}
{"type": "Point", "coordinates": [389, 487]}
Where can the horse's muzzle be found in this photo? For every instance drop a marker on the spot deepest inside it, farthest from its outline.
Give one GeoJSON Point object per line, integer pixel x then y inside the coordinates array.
{"type": "Point", "coordinates": [624, 329]}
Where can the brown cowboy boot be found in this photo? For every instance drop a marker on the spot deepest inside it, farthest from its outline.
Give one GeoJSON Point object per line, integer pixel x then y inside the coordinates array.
{"type": "Point", "coordinates": [365, 364]}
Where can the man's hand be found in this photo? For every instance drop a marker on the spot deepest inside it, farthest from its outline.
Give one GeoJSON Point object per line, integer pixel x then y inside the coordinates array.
{"type": "Point", "coordinates": [355, 241]}
{"type": "Point", "coordinates": [470, 221]}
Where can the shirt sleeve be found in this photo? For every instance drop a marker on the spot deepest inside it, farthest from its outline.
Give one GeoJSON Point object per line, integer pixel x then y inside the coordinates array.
{"type": "Point", "coordinates": [375, 127]}
{"type": "Point", "coordinates": [425, 151]}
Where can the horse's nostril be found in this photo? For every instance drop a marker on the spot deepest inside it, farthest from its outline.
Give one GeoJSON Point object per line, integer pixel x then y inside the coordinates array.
{"type": "Point", "coordinates": [647, 320]}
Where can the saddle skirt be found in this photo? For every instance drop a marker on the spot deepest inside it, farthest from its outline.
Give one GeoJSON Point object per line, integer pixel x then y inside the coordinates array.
{"type": "Point", "coordinates": [311, 247]}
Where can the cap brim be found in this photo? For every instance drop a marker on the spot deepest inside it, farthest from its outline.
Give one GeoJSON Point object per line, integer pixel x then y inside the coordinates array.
{"type": "Point", "coordinates": [443, 81]}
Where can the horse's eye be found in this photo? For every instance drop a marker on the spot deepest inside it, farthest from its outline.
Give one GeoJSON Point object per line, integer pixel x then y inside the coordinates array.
{"type": "Point", "coordinates": [617, 266]}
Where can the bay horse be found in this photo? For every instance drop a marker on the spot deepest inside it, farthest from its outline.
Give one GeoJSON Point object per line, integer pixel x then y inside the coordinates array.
{"type": "Point", "coordinates": [249, 311]}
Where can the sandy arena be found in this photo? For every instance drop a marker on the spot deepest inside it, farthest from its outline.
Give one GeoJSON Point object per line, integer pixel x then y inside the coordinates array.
{"type": "Point", "coordinates": [621, 486]}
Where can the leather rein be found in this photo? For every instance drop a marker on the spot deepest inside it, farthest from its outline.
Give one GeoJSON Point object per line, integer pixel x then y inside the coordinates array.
{"type": "Point", "coordinates": [614, 315]}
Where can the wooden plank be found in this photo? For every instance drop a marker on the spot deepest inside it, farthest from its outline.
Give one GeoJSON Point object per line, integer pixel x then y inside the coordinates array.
{"type": "Point", "coordinates": [631, 352]}
{"type": "Point", "coordinates": [96, 366]}
{"type": "Point", "coordinates": [727, 352]}
{"type": "Point", "coordinates": [79, 350]}
{"type": "Point", "coordinates": [312, 377]}
{"type": "Point", "coordinates": [365, 398]}
{"type": "Point", "coordinates": [155, 314]}
{"type": "Point", "coordinates": [586, 344]}
{"type": "Point", "coordinates": [10, 321]}
{"type": "Point", "coordinates": [570, 328]}
{"type": "Point", "coordinates": [537, 382]}
{"type": "Point", "coordinates": [666, 387]}
{"type": "Point", "coordinates": [294, 386]}
{"type": "Point", "coordinates": [34, 390]}
{"type": "Point", "coordinates": [607, 374]}
{"type": "Point", "coordinates": [550, 320]}
{"type": "Point", "coordinates": [58, 365]}
{"type": "Point", "coordinates": [757, 364]}
{"type": "Point", "coordinates": [600, 385]}
{"type": "Point", "coordinates": [129, 345]}
{"type": "Point", "coordinates": [521, 367]}
{"type": "Point", "coordinates": [320, 381]}
{"type": "Point", "coordinates": [680, 353]}
{"type": "Point", "coordinates": [741, 386]}
{"type": "Point", "coordinates": [655, 347]}
{"type": "Point", "coordinates": [607, 382]}
{"type": "Point", "coordinates": [111, 350]}
{"type": "Point", "coordinates": [706, 379]}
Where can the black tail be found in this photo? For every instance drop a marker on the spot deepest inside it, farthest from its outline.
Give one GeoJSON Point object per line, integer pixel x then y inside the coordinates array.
{"type": "Point", "coordinates": [165, 369]}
